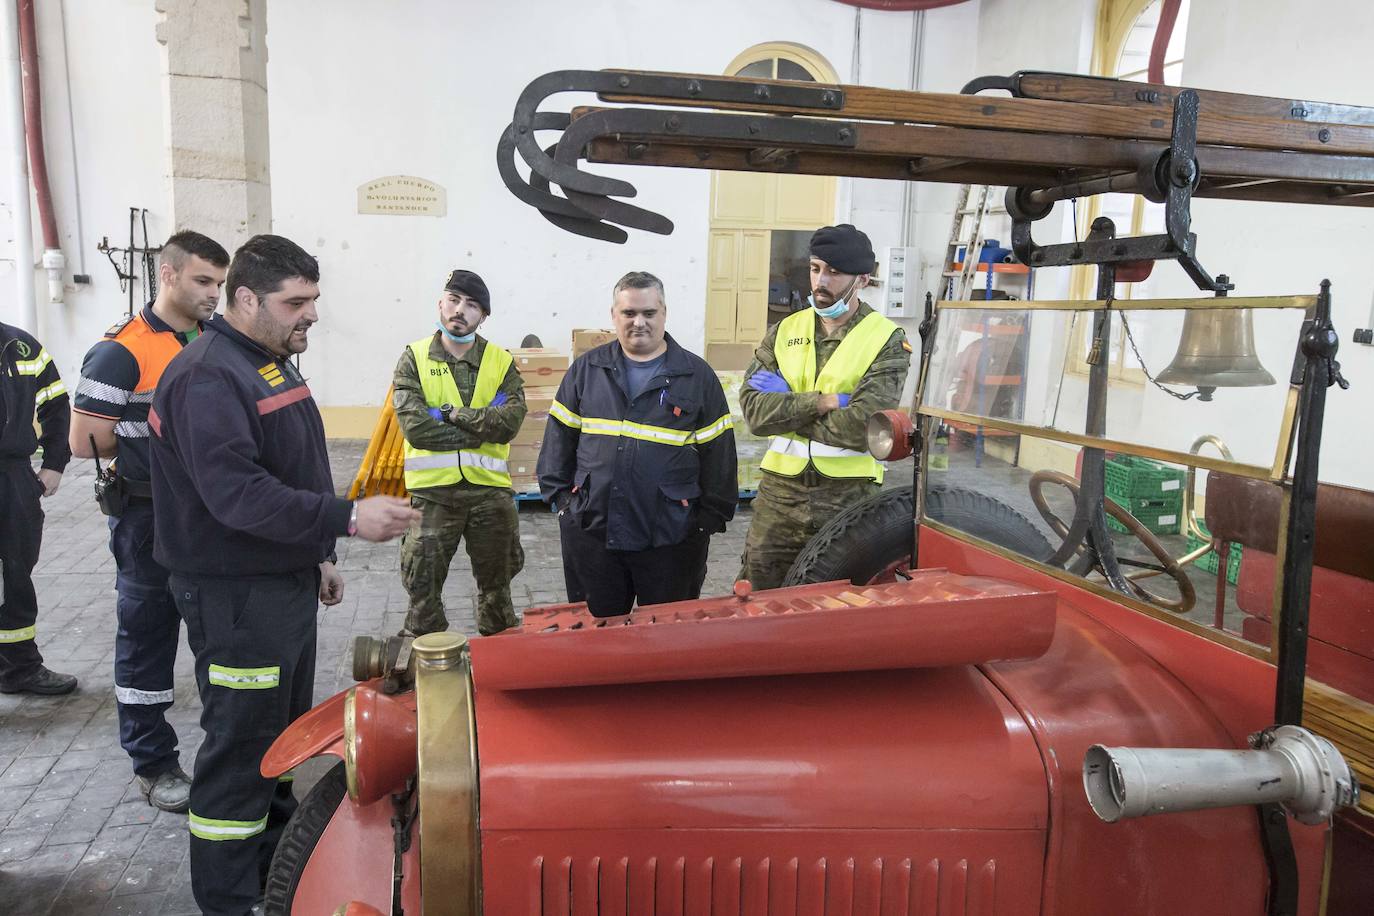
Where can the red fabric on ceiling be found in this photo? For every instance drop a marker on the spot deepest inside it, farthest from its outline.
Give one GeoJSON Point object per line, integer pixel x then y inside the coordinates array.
{"type": "Point", "coordinates": [901, 6]}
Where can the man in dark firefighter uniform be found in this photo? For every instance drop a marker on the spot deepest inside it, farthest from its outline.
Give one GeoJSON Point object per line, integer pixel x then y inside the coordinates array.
{"type": "Point", "coordinates": [118, 379]}
{"type": "Point", "coordinates": [28, 382]}
{"type": "Point", "coordinates": [245, 523]}
{"type": "Point", "coordinates": [459, 401]}
{"type": "Point", "coordinates": [816, 378]}
{"type": "Point", "coordinates": [639, 459]}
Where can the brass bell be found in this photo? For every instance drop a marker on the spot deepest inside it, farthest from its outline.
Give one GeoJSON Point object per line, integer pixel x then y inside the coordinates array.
{"type": "Point", "coordinates": [1217, 350]}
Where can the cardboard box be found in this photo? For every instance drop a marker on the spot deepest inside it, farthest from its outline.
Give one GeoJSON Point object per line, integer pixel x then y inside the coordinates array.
{"type": "Point", "coordinates": [729, 357]}
{"type": "Point", "coordinates": [531, 433]}
{"type": "Point", "coordinates": [541, 366]}
{"type": "Point", "coordinates": [539, 398]}
{"type": "Point", "coordinates": [584, 339]}
{"type": "Point", "coordinates": [524, 453]}
{"type": "Point", "coordinates": [524, 483]}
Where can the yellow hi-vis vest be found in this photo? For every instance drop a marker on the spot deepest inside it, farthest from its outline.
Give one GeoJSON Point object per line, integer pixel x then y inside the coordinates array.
{"type": "Point", "coordinates": [789, 453]}
{"type": "Point", "coordinates": [486, 464]}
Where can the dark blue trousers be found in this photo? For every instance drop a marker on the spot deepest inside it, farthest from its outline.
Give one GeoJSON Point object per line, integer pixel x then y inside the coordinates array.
{"type": "Point", "coordinates": [254, 642]}
{"type": "Point", "coordinates": [21, 535]}
{"type": "Point", "coordinates": [145, 643]}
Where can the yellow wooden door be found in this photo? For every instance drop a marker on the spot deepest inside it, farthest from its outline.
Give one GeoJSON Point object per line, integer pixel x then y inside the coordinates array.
{"type": "Point", "coordinates": [745, 208]}
{"type": "Point", "coordinates": [751, 303]}
{"type": "Point", "coordinates": [721, 273]}
{"type": "Point", "coordinates": [737, 286]}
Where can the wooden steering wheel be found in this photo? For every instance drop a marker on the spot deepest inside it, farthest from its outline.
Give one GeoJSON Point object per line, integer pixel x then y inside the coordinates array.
{"type": "Point", "coordinates": [1168, 565]}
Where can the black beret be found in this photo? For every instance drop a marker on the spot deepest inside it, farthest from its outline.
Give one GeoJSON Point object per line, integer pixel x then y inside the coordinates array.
{"type": "Point", "coordinates": [469, 284]}
{"type": "Point", "coordinates": [844, 248]}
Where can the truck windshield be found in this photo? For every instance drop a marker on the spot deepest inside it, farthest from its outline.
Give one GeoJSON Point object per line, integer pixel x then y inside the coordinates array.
{"type": "Point", "coordinates": [1012, 410]}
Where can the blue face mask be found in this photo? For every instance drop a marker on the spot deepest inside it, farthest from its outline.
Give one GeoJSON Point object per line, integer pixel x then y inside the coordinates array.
{"type": "Point", "coordinates": [466, 338]}
{"type": "Point", "coordinates": [838, 308]}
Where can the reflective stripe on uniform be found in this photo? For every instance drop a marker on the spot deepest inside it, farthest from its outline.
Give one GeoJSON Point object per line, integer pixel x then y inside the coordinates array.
{"type": "Point", "coordinates": [797, 447]}
{"type": "Point", "coordinates": [245, 678]}
{"type": "Point", "coordinates": [785, 445]}
{"type": "Point", "coordinates": [429, 462]}
{"type": "Point", "coordinates": [100, 391]}
{"type": "Point", "coordinates": [602, 426]}
{"type": "Point", "coordinates": [565, 416]}
{"type": "Point", "coordinates": [55, 390]}
{"type": "Point", "coordinates": [207, 828]}
{"type": "Point", "coordinates": [33, 366]}
{"type": "Point", "coordinates": [821, 450]}
{"type": "Point", "coordinates": [718, 428]}
{"type": "Point", "coordinates": [132, 696]}
{"type": "Point", "coordinates": [131, 429]}
{"type": "Point", "coordinates": [19, 635]}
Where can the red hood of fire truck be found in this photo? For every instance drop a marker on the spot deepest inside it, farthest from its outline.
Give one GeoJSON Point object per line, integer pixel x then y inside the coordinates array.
{"type": "Point", "coordinates": [822, 749]}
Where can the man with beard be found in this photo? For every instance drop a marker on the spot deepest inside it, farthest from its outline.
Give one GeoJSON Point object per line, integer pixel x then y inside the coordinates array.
{"type": "Point", "coordinates": [118, 380]}
{"type": "Point", "coordinates": [246, 519]}
{"type": "Point", "coordinates": [816, 378]}
{"type": "Point", "coordinates": [459, 401]}
{"type": "Point", "coordinates": [639, 460]}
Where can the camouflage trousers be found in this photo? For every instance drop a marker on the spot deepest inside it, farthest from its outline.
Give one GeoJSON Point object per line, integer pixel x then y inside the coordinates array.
{"type": "Point", "coordinates": [787, 514]}
{"type": "Point", "coordinates": [485, 519]}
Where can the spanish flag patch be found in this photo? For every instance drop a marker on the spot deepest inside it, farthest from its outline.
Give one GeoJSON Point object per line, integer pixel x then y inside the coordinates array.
{"type": "Point", "coordinates": [906, 345]}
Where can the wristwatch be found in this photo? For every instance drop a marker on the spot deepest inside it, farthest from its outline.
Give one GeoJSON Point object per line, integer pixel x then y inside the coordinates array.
{"type": "Point", "coordinates": [353, 520]}
{"type": "Point", "coordinates": [448, 412]}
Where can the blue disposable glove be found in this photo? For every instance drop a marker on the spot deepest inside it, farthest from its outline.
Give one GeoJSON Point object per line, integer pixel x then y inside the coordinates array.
{"type": "Point", "coordinates": [437, 414]}
{"type": "Point", "coordinates": [499, 399]}
{"type": "Point", "coordinates": [768, 382]}
{"type": "Point", "coordinates": [843, 399]}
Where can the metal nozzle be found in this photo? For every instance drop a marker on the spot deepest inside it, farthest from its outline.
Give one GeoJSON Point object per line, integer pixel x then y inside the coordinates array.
{"type": "Point", "coordinates": [379, 657]}
{"type": "Point", "coordinates": [1290, 766]}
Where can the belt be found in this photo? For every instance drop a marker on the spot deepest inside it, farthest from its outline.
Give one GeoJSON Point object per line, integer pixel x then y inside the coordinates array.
{"type": "Point", "coordinates": [139, 488]}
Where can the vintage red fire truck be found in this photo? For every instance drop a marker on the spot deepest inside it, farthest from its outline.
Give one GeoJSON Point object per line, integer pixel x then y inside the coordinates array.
{"type": "Point", "coordinates": [952, 708]}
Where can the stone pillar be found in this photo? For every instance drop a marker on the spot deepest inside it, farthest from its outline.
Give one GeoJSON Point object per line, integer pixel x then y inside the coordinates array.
{"type": "Point", "coordinates": [214, 76]}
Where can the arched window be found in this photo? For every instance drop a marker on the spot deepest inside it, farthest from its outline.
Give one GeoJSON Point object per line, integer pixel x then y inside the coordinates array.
{"type": "Point", "coordinates": [782, 60]}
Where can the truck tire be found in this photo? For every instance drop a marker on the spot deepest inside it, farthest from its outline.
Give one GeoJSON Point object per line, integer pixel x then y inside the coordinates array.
{"type": "Point", "coordinates": [298, 840]}
{"type": "Point", "coordinates": [872, 537]}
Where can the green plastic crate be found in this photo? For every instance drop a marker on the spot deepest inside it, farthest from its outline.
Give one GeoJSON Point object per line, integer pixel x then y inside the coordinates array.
{"type": "Point", "coordinates": [1129, 477]}
{"type": "Point", "coordinates": [1209, 561]}
{"type": "Point", "coordinates": [1160, 516]}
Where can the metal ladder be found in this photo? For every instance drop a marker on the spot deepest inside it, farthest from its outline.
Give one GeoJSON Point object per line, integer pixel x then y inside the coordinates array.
{"type": "Point", "coordinates": [959, 283]}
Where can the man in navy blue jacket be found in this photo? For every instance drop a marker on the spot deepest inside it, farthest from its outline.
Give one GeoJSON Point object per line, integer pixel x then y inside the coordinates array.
{"type": "Point", "coordinates": [245, 520]}
{"type": "Point", "coordinates": [28, 381]}
{"type": "Point", "coordinates": [639, 459]}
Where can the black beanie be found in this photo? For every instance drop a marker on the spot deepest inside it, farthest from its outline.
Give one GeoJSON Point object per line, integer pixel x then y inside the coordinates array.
{"type": "Point", "coordinates": [469, 284]}
{"type": "Point", "coordinates": [844, 248]}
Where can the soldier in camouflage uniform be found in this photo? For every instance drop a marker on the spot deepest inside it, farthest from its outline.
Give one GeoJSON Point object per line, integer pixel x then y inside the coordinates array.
{"type": "Point", "coordinates": [459, 400]}
{"type": "Point", "coordinates": [816, 378]}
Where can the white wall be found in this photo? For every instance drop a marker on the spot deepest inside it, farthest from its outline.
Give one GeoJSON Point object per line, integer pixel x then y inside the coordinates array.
{"type": "Point", "coordinates": [116, 100]}
{"type": "Point", "coordinates": [426, 90]}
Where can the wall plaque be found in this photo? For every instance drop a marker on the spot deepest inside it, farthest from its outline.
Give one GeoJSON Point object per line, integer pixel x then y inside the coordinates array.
{"type": "Point", "coordinates": [402, 195]}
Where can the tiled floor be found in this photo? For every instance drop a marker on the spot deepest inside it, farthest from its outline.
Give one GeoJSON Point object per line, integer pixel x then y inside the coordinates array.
{"type": "Point", "coordinates": [76, 836]}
